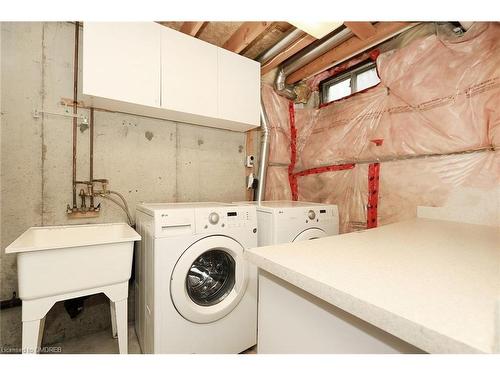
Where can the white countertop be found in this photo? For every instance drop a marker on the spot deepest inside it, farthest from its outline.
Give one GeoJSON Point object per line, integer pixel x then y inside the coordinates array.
{"type": "Point", "coordinates": [432, 283]}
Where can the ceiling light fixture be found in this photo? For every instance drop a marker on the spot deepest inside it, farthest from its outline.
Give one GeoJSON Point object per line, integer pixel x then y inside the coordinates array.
{"type": "Point", "coordinates": [317, 29]}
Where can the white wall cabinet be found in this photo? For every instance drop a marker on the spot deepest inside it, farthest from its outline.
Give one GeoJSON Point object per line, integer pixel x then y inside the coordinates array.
{"type": "Point", "coordinates": [147, 69]}
{"type": "Point", "coordinates": [121, 61]}
{"type": "Point", "coordinates": [239, 88]}
{"type": "Point", "coordinates": [188, 81]}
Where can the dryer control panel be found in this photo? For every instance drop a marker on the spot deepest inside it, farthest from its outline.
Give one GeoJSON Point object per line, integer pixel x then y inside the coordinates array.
{"type": "Point", "coordinates": [312, 214]}
{"type": "Point", "coordinates": [320, 214]}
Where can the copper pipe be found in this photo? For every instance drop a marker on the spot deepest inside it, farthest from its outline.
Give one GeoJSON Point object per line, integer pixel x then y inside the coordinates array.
{"type": "Point", "coordinates": [91, 161]}
{"type": "Point", "coordinates": [75, 106]}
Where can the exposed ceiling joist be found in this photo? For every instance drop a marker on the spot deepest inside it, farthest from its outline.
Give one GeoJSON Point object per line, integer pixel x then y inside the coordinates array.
{"type": "Point", "coordinates": [348, 49]}
{"type": "Point", "coordinates": [245, 35]}
{"type": "Point", "coordinates": [363, 30]}
{"type": "Point", "coordinates": [191, 28]}
{"type": "Point", "coordinates": [291, 50]}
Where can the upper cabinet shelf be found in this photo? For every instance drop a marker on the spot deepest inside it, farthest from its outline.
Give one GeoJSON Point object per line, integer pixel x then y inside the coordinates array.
{"type": "Point", "coordinates": [148, 69]}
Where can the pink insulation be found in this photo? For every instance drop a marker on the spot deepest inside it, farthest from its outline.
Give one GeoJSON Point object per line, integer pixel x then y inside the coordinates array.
{"type": "Point", "coordinates": [438, 96]}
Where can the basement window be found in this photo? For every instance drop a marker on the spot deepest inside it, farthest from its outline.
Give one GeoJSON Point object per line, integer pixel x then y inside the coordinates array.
{"type": "Point", "coordinates": [350, 82]}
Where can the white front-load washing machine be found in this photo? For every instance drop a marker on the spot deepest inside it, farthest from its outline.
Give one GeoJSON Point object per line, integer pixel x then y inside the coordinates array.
{"type": "Point", "coordinates": [290, 221]}
{"type": "Point", "coordinates": [195, 291]}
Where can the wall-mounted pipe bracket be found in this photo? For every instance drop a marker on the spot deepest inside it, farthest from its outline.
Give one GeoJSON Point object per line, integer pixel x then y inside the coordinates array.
{"type": "Point", "coordinates": [37, 113]}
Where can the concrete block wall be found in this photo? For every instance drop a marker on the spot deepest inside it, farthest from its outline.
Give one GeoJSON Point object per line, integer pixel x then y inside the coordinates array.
{"type": "Point", "coordinates": [144, 159]}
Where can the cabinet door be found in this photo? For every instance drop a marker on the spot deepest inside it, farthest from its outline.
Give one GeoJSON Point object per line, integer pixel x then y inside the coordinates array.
{"type": "Point", "coordinates": [239, 88]}
{"type": "Point", "coordinates": [121, 61]}
{"type": "Point", "coordinates": [189, 74]}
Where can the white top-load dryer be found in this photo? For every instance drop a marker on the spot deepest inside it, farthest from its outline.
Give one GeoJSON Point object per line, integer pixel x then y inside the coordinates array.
{"type": "Point", "coordinates": [195, 291]}
{"type": "Point", "coordinates": [290, 221]}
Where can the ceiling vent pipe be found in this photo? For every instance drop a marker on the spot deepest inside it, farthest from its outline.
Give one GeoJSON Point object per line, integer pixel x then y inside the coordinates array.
{"type": "Point", "coordinates": [318, 48]}
{"type": "Point", "coordinates": [274, 51]}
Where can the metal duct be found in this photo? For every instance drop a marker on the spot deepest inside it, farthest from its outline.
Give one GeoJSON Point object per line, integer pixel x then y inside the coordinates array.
{"type": "Point", "coordinates": [272, 52]}
{"type": "Point", "coordinates": [466, 25]}
{"type": "Point", "coordinates": [282, 88]}
{"type": "Point", "coordinates": [264, 148]}
{"type": "Point", "coordinates": [329, 42]}
{"type": "Point", "coordinates": [264, 154]}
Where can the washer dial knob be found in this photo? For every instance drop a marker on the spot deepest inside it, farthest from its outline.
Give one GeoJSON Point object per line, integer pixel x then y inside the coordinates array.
{"type": "Point", "coordinates": [311, 214]}
{"type": "Point", "coordinates": [213, 218]}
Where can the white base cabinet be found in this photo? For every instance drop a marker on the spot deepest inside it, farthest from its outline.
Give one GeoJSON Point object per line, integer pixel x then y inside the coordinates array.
{"type": "Point", "coordinates": [148, 69]}
{"type": "Point", "coordinates": [292, 321]}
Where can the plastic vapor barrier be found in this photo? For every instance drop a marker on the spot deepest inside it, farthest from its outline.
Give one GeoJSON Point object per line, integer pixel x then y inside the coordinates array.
{"type": "Point", "coordinates": [428, 131]}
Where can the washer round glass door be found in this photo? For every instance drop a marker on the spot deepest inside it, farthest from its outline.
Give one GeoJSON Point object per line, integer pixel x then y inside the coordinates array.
{"type": "Point", "coordinates": [209, 279]}
{"type": "Point", "coordinates": [310, 234]}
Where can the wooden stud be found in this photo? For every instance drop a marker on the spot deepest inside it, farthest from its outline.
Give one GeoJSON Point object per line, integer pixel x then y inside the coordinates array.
{"type": "Point", "coordinates": [191, 28]}
{"type": "Point", "coordinates": [349, 48]}
{"type": "Point", "coordinates": [363, 30]}
{"type": "Point", "coordinates": [245, 35]}
{"type": "Point", "coordinates": [291, 50]}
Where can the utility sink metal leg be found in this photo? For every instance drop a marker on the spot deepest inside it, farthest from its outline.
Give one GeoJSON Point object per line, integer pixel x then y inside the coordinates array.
{"type": "Point", "coordinates": [120, 308]}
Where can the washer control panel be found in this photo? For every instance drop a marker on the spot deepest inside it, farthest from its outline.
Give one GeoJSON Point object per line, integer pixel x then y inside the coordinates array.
{"type": "Point", "coordinates": [225, 218]}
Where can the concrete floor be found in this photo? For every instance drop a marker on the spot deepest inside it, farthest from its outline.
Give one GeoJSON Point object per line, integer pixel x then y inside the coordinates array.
{"type": "Point", "coordinates": [103, 343]}
{"type": "Point", "coordinates": [97, 343]}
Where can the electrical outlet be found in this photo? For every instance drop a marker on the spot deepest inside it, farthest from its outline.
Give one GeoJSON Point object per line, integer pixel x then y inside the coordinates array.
{"type": "Point", "coordinates": [250, 161]}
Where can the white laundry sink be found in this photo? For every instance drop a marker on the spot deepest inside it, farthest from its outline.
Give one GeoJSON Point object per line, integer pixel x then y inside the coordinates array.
{"type": "Point", "coordinates": [63, 259]}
